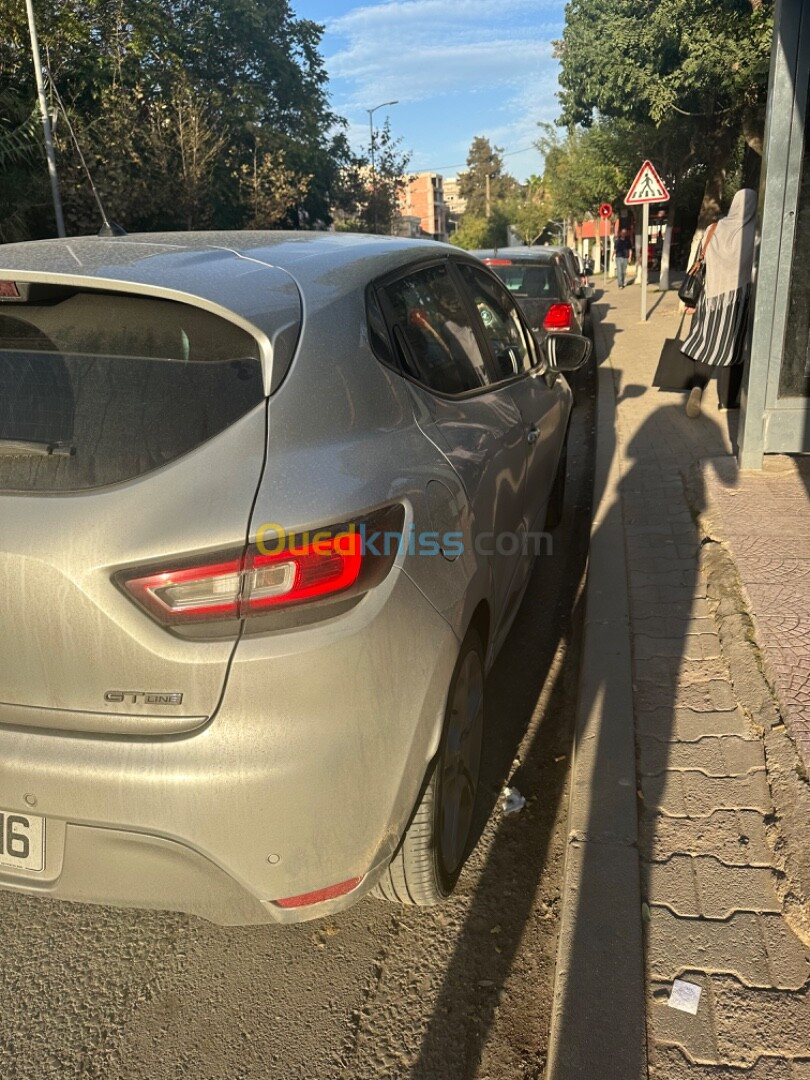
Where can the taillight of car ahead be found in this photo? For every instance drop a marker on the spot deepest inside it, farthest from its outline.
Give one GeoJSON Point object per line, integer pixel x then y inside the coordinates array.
{"type": "Point", "coordinates": [319, 565]}
{"type": "Point", "coordinates": [558, 317]}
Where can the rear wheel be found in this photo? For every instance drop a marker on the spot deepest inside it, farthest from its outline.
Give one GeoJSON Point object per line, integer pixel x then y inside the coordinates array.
{"type": "Point", "coordinates": [427, 863]}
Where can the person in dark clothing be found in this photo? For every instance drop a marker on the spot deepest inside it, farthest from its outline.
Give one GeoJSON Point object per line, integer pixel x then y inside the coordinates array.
{"type": "Point", "coordinates": [621, 250]}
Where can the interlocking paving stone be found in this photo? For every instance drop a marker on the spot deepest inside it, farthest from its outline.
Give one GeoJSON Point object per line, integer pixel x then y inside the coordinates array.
{"type": "Point", "coordinates": [680, 671]}
{"type": "Point", "coordinates": [735, 1025]}
{"type": "Point", "coordinates": [690, 646]}
{"type": "Point", "coordinates": [759, 950]}
{"type": "Point", "coordinates": [658, 591]}
{"type": "Point", "coordinates": [664, 562]}
{"type": "Point", "coordinates": [681, 793]}
{"type": "Point", "coordinates": [706, 888]}
{"type": "Point", "coordinates": [695, 607]}
{"type": "Point", "coordinates": [714, 695]}
{"type": "Point", "coordinates": [726, 756]}
{"type": "Point", "coordinates": [690, 725]}
{"type": "Point", "coordinates": [736, 837]}
{"type": "Point", "coordinates": [670, 626]}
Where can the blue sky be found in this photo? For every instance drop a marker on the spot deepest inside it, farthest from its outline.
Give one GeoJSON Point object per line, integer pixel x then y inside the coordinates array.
{"type": "Point", "coordinates": [459, 68]}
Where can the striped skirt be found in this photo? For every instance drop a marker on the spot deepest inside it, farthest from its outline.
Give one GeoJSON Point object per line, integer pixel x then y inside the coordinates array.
{"type": "Point", "coordinates": [718, 329]}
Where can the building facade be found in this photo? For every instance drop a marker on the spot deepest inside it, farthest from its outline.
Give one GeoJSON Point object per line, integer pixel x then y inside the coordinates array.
{"type": "Point", "coordinates": [423, 198]}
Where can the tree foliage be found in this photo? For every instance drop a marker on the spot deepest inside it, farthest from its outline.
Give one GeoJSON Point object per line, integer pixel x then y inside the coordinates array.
{"type": "Point", "coordinates": [366, 202]}
{"type": "Point", "coordinates": [190, 113]}
{"type": "Point", "coordinates": [695, 72]}
{"type": "Point", "coordinates": [484, 161]}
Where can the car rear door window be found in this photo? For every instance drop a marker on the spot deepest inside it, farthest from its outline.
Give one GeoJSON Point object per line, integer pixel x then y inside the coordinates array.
{"type": "Point", "coordinates": [503, 326]}
{"type": "Point", "coordinates": [434, 332]}
{"type": "Point", "coordinates": [97, 388]}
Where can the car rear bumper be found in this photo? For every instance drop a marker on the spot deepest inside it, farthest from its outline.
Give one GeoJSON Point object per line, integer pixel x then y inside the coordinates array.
{"type": "Point", "coordinates": [305, 777]}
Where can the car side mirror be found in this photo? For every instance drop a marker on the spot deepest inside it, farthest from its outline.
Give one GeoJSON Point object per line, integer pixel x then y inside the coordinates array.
{"type": "Point", "coordinates": [566, 352]}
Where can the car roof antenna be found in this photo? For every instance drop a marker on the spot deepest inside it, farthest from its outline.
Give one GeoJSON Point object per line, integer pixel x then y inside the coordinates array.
{"type": "Point", "coordinates": [108, 228]}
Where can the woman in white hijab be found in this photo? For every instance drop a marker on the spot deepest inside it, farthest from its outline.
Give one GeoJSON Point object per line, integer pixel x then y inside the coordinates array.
{"type": "Point", "coordinates": [716, 337]}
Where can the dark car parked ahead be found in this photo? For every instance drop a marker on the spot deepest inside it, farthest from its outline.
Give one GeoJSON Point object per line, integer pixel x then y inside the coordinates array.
{"type": "Point", "coordinates": [541, 283]}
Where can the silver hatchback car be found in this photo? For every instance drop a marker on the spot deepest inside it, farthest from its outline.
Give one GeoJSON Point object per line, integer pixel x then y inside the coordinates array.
{"type": "Point", "coordinates": [268, 506]}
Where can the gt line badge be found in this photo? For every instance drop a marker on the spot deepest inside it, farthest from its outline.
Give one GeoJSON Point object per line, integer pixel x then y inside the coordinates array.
{"type": "Point", "coordinates": [142, 697]}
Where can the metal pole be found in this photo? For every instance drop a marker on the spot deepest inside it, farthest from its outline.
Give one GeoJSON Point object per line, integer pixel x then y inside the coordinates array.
{"type": "Point", "coordinates": [488, 196]}
{"type": "Point", "coordinates": [645, 217]}
{"type": "Point", "coordinates": [605, 261]}
{"type": "Point", "coordinates": [373, 176]}
{"type": "Point", "coordinates": [46, 124]}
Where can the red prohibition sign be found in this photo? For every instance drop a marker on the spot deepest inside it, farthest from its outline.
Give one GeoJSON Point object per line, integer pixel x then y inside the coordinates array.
{"type": "Point", "coordinates": [605, 210]}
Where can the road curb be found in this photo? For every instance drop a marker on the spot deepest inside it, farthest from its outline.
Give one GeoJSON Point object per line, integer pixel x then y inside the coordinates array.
{"type": "Point", "coordinates": [598, 1023]}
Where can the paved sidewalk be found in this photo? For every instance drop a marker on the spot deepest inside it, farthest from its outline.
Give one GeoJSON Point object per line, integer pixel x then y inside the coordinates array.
{"type": "Point", "coordinates": [712, 875]}
{"type": "Point", "coordinates": [764, 518]}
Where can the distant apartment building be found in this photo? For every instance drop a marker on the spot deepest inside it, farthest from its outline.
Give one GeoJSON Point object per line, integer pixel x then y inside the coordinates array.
{"type": "Point", "coordinates": [423, 198]}
{"type": "Point", "coordinates": [454, 202]}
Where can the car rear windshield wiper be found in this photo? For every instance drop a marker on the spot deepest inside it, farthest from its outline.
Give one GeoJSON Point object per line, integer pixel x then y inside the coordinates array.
{"type": "Point", "coordinates": [30, 447]}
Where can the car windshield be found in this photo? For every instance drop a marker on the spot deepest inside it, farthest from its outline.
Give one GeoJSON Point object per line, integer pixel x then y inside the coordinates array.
{"type": "Point", "coordinates": [527, 280]}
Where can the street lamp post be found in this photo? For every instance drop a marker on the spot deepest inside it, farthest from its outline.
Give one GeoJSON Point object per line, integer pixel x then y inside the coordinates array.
{"type": "Point", "coordinates": [373, 174]}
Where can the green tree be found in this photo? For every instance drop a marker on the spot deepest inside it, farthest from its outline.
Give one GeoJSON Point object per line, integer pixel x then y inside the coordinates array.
{"type": "Point", "coordinates": [366, 202]}
{"type": "Point", "coordinates": [385, 187]}
{"type": "Point", "coordinates": [484, 183]}
{"type": "Point", "coordinates": [477, 232]}
{"type": "Point", "coordinates": [169, 99]}
{"type": "Point", "coordinates": [528, 212]}
{"type": "Point", "coordinates": [698, 69]}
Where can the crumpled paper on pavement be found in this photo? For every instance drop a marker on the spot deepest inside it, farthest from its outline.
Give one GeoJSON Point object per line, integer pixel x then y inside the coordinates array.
{"type": "Point", "coordinates": [513, 801]}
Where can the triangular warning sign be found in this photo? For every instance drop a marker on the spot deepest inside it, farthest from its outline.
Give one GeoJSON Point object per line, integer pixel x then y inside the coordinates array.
{"type": "Point", "coordinates": [647, 187]}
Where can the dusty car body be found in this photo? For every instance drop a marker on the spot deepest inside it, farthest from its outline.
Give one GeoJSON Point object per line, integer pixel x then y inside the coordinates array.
{"type": "Point", "coordinates": [200, 709]}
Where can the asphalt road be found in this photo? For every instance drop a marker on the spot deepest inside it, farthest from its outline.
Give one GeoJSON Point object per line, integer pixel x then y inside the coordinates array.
{"type": "Point", "coordinates": [455, 992]}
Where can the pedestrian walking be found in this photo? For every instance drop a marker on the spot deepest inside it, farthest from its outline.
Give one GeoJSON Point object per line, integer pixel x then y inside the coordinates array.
{"type": "Point", "coordinates": [621, 252]}
{"type": "Point", "coordinates": [715, 340]}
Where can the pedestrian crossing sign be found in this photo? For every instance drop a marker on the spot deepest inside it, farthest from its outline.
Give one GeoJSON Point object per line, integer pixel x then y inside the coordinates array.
{"type": "Point", "coordinates": [647, 187]}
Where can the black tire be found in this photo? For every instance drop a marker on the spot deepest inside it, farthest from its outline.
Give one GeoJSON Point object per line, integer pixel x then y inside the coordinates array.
{"type": "Point", "coordinates": [422, 871]}
{"type": "Point", "coordinates": [556, 500]}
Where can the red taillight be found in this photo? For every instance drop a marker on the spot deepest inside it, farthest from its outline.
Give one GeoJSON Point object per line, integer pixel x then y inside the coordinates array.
{"type": "Point", "coordinates": [331, 892]}
{"type": "Point", "coordinates": [498, 262]}
{"type": "Point", "coordinates": [558, 317]}
{"type": "Point", "coordinates": [248, 584]}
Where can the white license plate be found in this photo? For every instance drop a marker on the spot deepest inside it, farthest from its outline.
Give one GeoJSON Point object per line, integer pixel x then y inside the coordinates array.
{"type": "Point", "coordinates": [22, 841]}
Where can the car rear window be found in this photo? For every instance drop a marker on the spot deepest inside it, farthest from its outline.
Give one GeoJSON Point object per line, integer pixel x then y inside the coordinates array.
{"type": "Point", "coordinates": [525, 280]}
{"type": "Point", "coordinates": [97, 388]}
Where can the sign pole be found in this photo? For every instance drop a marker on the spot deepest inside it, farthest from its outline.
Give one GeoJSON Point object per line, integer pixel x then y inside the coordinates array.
{"type": "Point", "coordinates": [644, 253]}
{"type": "Point", "coordinates": [605, 258]}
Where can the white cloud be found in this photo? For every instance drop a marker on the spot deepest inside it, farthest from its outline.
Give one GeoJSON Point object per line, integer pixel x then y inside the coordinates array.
{"type": "Point", "coordinates": [485, 66]}
{"type": "Point", "coordinates": [416, 49]}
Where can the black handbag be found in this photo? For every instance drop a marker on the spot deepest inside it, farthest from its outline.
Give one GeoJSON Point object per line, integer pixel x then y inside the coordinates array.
{"type": "Point", "coordinates": [675, 371]}
{"type": "Point", "coordinates": [692, 285]}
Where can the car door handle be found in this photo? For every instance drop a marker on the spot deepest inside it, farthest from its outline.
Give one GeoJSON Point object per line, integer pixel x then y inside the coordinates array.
{"type": "Point", "coordinates": [533, 434]}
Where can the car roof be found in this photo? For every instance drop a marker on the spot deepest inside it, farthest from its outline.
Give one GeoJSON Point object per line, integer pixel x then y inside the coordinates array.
{"type": "Point", "coordinates": [518, 254]}
{"type": "Point", "coordinates": [563, 250]}
{"type": "Point", "coordinates": [255, 279]}
{"type": "Point", "coordinates": [200, 263]}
